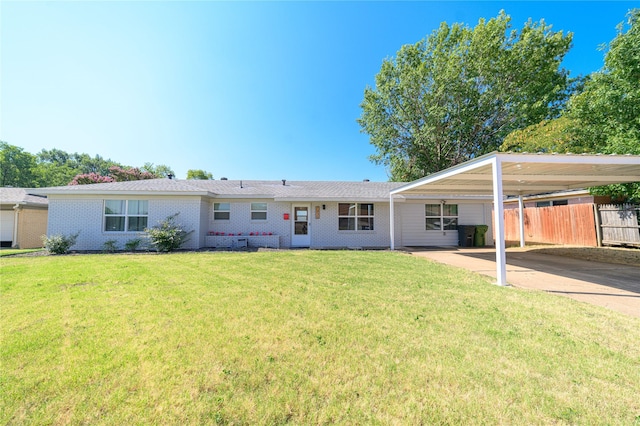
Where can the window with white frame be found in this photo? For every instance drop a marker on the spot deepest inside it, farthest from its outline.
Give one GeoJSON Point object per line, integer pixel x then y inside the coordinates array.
{"type": "Point", "coordinates": [355, 217]}
{"type": "Point", "coordinates": [258, 211]}
{"type": "Point", "coordinates": [221, 211]}
{"type": "Point", "coordinates": [552, 203]}
{"type": "Point", "coordinates": [125, 215]}
{"type": "Point", "coordinates": [441, 217]}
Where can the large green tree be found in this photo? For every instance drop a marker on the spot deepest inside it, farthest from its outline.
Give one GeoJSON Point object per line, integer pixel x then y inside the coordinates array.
{"type": "Point", "coordinates": [16, 166]}
{"type": "Point", "coordinates": [161, 170]}
{"type": "Point", "coordinates": [604, 117]}
{"type": "Point", "coordinates": [457, 93]}
{"type": "Point", "coordinates": [548, 136]}
{"type": "Point", "coordinates": [56, 167]}
{"type": "Point", "coordinates": [607, 111]}
{"type": "Point", "coordinates": [199, 174]}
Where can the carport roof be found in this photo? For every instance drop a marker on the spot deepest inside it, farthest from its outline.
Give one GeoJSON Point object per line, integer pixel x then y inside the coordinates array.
{"type": "Point", "coordinates": [527, 174]}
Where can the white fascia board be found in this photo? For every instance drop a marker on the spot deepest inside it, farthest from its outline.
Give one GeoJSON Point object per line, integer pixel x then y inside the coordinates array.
{"type": "Point", "coordinates": [332, 199]}
{"type": "Point", "coordinates": [245, 197]}
{"type": "Point", "coordinates": [445, 197]}
{"type": "Point", "coordinates": [552, 195]}
{"type": "Point", "coordinates": [127, 193]}
{"type": "Point", "coordinates": [625, 159]}
{"type": "Point", "coordinates": [483, 161]}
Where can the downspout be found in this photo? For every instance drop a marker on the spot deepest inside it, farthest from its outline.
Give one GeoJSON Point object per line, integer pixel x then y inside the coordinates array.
{"type": "Point", "coordinates": [16, 212]}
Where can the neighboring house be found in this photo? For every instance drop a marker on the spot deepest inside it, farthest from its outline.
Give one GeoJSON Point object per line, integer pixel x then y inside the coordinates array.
{"type": "Point", "coordinates": [228, 213]}
{"type": "Point", "coordinates": [23, 218]}
{"type": "Point", "coordinates": [564, 198]}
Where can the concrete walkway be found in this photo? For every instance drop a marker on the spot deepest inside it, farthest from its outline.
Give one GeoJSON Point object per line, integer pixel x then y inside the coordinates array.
{"type": "Point", "coordinates": [613, 286]}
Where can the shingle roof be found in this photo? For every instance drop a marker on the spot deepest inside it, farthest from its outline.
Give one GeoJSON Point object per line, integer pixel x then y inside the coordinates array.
{"type": "Point", "coordinates": [299, 190]}
{"type": "Point", "coordinates": [21, 196]}
{"type": "Point", "coordinates": [291, 190]}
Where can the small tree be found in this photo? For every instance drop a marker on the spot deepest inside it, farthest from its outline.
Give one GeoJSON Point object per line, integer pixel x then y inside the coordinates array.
{"type": "Point", "coordinates": [59, 244]}
{"type": "Point", "coordinates": [110, 246]}
{"type": "Point", "coordinates": [133, 244]}
{"type": "Point", "coordinates": [89, 178]}
{"type": "Point", "coordinates": [168, 235]}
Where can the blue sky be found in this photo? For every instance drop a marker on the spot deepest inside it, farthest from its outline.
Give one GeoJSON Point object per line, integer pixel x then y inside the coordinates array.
{"type": "Point", "coordinates": [244, 90]}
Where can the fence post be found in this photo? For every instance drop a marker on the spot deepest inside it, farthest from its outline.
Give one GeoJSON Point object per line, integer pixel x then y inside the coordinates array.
{"type": "Point", "coordinates": [596, 216]}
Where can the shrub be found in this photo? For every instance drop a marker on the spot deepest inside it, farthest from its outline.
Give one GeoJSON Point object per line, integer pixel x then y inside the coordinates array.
{"type": "Point", "coordinates": [59, 244]}
{"type": "Point", "coordinates": [132, 245]}
{"type": "Point", "coordinates": [110, 246]}
{"type": "Point", "coordinates": [168, 235]}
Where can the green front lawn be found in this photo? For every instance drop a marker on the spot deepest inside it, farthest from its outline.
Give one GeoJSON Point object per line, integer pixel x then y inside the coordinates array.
{"type": "Point", "coordinates": [305, 337]}
{"type": "Point", "coordinates": [12, 251]}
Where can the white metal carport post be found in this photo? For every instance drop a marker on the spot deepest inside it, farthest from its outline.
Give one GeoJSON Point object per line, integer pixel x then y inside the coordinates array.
{"type": "Point", "coordinates": [521, 217]}
{"type": "Point", "coordinates": [498, 209]}
{"type": "Point", "coordinates": [392, 224]}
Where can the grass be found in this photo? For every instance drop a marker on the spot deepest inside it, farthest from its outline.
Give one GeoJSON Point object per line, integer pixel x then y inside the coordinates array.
{"type": "Point", "coordinates": [302, 337]}
{"type": "Point", "coordinates": [12, 251]}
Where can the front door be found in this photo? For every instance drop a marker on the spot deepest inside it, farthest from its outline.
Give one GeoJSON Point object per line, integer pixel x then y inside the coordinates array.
{"type": "Point", "coordinates": [300, 236]}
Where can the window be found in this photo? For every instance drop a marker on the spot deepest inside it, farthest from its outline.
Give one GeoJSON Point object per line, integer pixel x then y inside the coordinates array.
{"type": "Point", "coordinates": [441, 217]}
{"type": "Point", "coordinates": [258, 211]}
{"type": "Point", "coordinates": [355, 217]}
{"type": "Point", "coordinates": [552, 203]}
{"type": "Point", "coordinates": [129, 215]}
{"type": "Point", "coordinates": [221, 211]}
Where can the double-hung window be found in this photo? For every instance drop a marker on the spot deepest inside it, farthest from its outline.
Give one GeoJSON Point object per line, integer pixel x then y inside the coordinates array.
{"type": "Point", "coordinates": [221, 211]}
{"type": "Point", "coordinates": [125, 215]}
{"type": "Point", "coordinates": [355, 217]}
{"type": "Point", "coordinates": [441, 217]}
{"type": "Point", "coordinates": [258, 211]}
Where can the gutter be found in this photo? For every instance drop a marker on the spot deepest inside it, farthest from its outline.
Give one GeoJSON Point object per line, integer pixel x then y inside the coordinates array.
{"type": "Point", "coordinates": [130, 193]}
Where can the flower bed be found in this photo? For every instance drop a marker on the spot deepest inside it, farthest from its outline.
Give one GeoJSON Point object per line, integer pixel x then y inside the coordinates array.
{"type": "Point", "coordinates": [243, 240]}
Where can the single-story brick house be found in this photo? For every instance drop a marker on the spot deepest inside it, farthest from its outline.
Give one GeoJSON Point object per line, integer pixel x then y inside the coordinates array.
{"type": "Point", "coordinates": [228, 213]}
{"type": "Point", "coordinates": [23, 218]}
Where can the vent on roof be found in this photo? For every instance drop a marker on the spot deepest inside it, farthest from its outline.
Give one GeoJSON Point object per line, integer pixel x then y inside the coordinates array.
{"type": "Point", "coordinates": [284, 182]}
{"type": "Point", "coordinates": [365, 180]}
{"type": "Point", "coordinates": [170, 176]}
{"type": "Point", "coordinates": [223, 178]}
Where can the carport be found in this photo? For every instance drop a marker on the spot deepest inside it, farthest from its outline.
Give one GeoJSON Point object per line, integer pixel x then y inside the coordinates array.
{"type": "Point", "coordinates": [513, 174]}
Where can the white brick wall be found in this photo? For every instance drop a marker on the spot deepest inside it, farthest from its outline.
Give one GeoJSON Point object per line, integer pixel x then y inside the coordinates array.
{"type": "Point", "coordinates": [68, 215]}
{"type": "Point", "coordinates": [412, 227]}
{"type": "Point", "coordinates": [240, 219]}
{"type": "Point", "coordinates": [324, 231]}
{"type": "Point", "coordinates": [85, 214]}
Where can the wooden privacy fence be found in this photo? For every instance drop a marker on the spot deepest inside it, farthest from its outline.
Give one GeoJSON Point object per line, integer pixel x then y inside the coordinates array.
{"type": "Point", "coordinates": [620, 224]}
{"type": "Point", "coordinates": [573, 224]}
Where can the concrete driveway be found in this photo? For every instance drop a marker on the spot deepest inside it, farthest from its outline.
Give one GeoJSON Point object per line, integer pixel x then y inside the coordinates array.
{"type": "Point", "coordinates": [613, 286]}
